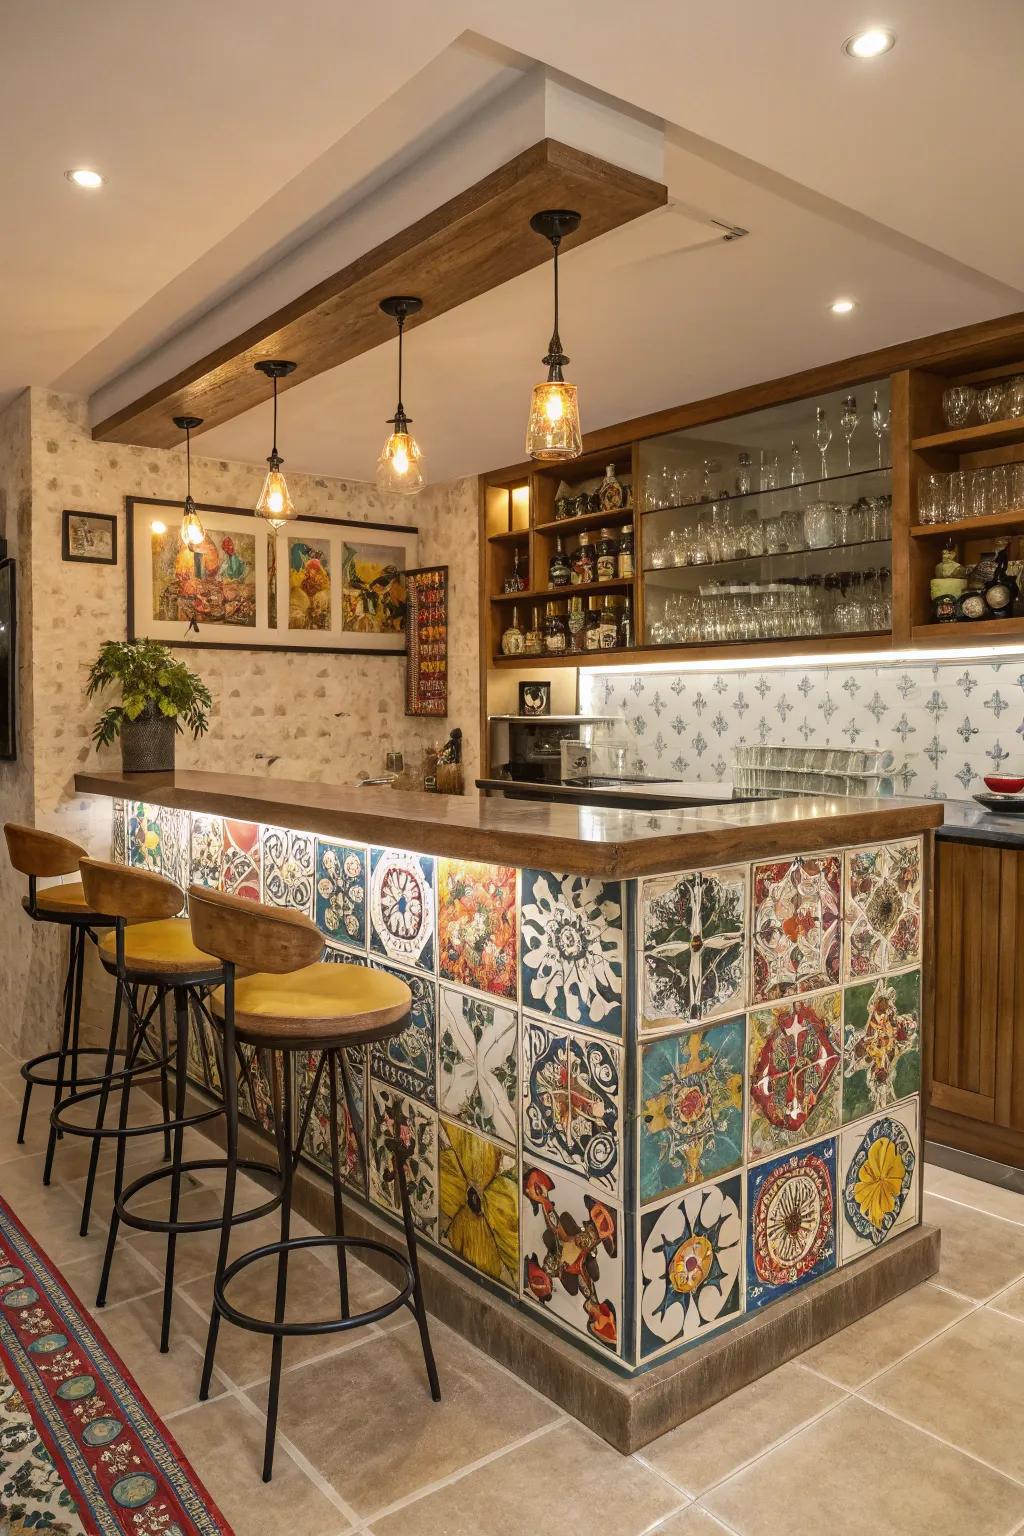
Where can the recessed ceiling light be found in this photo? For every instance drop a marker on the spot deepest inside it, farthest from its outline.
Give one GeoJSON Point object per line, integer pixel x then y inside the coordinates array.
{"type": "Point", "coordinates": [870, 43]}
{"type": "Point", "coordinates": [85, 178]}
{"type": "Point", "coordinates": [842, 306]}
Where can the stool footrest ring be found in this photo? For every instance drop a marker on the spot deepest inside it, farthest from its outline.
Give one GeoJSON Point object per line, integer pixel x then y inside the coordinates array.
{"type": "Point", "coordinates": [212, 1224]}
{"type": "Point", "coordinates": [29, 1069]}
{"type": "Point", "coordinates": [401, 1298]}
{"type": "Point", "coordinates": [151, 1128]}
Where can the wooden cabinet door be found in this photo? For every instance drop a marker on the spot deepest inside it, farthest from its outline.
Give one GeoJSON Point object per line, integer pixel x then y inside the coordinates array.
{"type": "Point", "coordinates": [971, 977]}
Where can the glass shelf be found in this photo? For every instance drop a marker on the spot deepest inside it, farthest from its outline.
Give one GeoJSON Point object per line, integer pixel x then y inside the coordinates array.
{"type": "Point", "coordinates": [883, 473]}
{"type": "Point", "coordinates": [829, 555]}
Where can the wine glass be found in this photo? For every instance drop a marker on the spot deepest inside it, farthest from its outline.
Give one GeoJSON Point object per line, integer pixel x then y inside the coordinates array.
{"type": "Point", "coordinates": [822, 438]}
{"type": "Point", "coordinates": [796, 464]}
{"type": "Point", "coordinates": [769, 470]}
{"type": "Point", "coordinates": [848, 422]}
{"type": "Point", "coordinates": [877, 425]}
{"type": "Point", "coordinates": [957, 402]}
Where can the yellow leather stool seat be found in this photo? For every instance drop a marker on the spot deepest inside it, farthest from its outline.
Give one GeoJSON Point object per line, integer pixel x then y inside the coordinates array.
{"type": "Point", "coordinates": [162, 948]}
{"type": "Point", "coordinates": [321, 1004]}
{"type": "Point", "coordinates": [68, 900]}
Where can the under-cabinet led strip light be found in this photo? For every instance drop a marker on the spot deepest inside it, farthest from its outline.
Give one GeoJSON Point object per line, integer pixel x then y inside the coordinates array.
{"type": "Point", "coordinates": [833, 659]}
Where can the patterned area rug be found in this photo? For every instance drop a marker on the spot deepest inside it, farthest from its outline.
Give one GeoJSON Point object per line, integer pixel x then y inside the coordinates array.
{"type": "Point", "coordinates": [81, 1450]}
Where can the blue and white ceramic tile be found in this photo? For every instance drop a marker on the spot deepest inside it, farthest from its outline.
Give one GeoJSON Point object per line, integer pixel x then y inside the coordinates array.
{"type": "Point", "coordinates": [878, 1180]}
{"type": "Point", "coordinates": [478, 1063]}
{"type": "Point", "coordinates": [571, 1102]}
{"type": "Point", "coordinates": [948, 723]}
{"type": "Point", "coordinates": [402, 907]}
{"type": "Point", "coordinates": [340, 895]}
{"type": "Point", "coordinates": [572, 1249]}
{"type": "Point", "coordinates": [408, 1061]}
{"type": "Point", "coordinates": [691, 1265]}
{"type": "Point", "coordinates": [692, 944]}
{"type": "Point", "coordinates": [791, 1221]}
{"type": "Point", "coordinates": [119, 833]}
{"type": "Point", "coordinates": [175, 834]}
{"type": "Point", "coordinates": [571, 949]}
{"type": "Point", "coordinates": [288, 868]}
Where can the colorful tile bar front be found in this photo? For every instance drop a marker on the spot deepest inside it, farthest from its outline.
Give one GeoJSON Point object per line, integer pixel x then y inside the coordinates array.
{"type": "Point", "coordinates": [640, 1109]}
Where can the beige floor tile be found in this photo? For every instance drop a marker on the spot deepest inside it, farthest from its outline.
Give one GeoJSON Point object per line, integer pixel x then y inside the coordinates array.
{"type": "Point", "coordinates": [129, 1278]}
{"type": "Point", "coordinates": [966, 1386]}
{"type": "Point", "coordinates": [521, 1491]}
{"type": "Point", "coordinates": [224, 1443]}
{"type": "Point", "coordinates": [1010, 1301]}
{"type": "Point", "coordinates": [693, 1521]}
{"type": "Point", "coordinates": [711, 1446]}
{"type": "Point", "coordinates": [993, 1199]}
{"type": "Point", "coordinates": [866, 1347]}
{"type": "Point", "coordinates": [858, 1470]}
{"type": "Point", "coordinates": [51, 1215]}
{"type": "Point", "coordinates": [170, 1381]}
{"type": "Point", "coordinates": [197, 1251]}
{"type": "Point", "coordinates": [366, 1422]}
{"type": "Point", "coordinates": [980, 1254]}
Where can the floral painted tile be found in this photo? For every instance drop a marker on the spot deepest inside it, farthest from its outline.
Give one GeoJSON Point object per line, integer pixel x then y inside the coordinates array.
{"type": "Point", "coordinates": [691, 1107]}
{"type": "Point", "coordinates": [317, 1141]}
{"type": "Point", "coordinates": [795, 926]}
{"type": "Point", "coordinates": [288, 868]}
{"type": "Point", "coordinates": [175, 845]}
{"type": "Point", "coordinates": [207, 851]}
{"type": "Point", "coordinates": [340, 898]}
{"type": "Point", "coordinates": [693, 945]}
{"type": "Point", "coordinates": [478, 1197]}
{"type": "Point", "coordinates": [408, 1061]}
{"type": "Point", "coordinates": [881, 1043]}
{"type": "Point", "coordinates": [791, 1221]}
{"type": "Point", "coordinates": [571, 1102]}
{"type": "Point", "coordinates": [795, 1052]}
{"type": "Point", "coordinates": [572, 1248]}
{"type": "Point", "coordinates": [883, 908]}
{"type": "Point", "coordinates": [878, 1179]}
{"type": "Point", "coordinates": [242, 861]}
{"type": "Point", "coordinates": [571, 949]}
{"type": "Point", "coordinates": [119, 832]}
{"type": "Point", "coordinates": [143, 836]}
{"type": "Point", "coordinates": [478, 1064]}
{"type": "Point", "coordinates": [255, 1092]}
{"type": "Point", "coordinates": [203, 1061]}
{"type": "Point", "coordinates": [476, 925]}
{"type": "Point", "coordinates": [417, 1127]}
{"type": "Point", "coordinates": [402, 907]}
{"type": "Point", "coordinates": [691, 1262]}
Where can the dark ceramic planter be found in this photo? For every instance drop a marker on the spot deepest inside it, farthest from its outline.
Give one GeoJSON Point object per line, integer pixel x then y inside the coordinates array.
{"type": "Point", "coordinates": [147, 744]}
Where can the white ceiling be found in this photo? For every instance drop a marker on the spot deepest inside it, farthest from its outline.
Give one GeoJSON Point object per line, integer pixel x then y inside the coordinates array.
{"type": "Point", "coordinates": [231, 133]}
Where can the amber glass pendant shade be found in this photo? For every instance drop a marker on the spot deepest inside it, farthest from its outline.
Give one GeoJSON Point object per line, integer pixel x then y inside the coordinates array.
{"type": "Point", "coordinates": [192, 531]}
{"type": "Point", "coordinates": [275, 504]}
{"type": "Point", "coordinates": [553, 431]}
{"type": "Point", "coordinates": [554, 427]}
{"type": "Point", "coordinates": [400, 466]}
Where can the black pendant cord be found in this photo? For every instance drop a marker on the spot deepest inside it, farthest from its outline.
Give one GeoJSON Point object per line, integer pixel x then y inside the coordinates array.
{"type": "Point", "coordinates": [188, 463]}
{"type": "Point", "coordinates": [556, 358]}
{"type": "Point", "coordinates": [273, 451]}
{"type": "Point", "coordinates": [400, 420]}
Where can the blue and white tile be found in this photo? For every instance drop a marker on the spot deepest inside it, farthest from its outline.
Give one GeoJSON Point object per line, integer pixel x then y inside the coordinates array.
{"type": "Point", "coordinates": [403, 908]}
{"type": "Point", "coordinates": [691, 1266]}
{"type": "Point", "coordinates": [478, 1063]}
{"type": "Point", "coordinates": [408, 1061]}
{"type": "Point", "coordinates": [572, 1102]}
{"type": "Point", "coordinates": [288, 868]}
{"type": "Point", "coordinates": [339, 902]}
{"type": "Point", "coordinates": [572, 949]}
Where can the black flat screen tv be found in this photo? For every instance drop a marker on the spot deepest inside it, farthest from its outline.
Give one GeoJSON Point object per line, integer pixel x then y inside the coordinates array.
{"type": "Point", "coordinates": [8, 663]}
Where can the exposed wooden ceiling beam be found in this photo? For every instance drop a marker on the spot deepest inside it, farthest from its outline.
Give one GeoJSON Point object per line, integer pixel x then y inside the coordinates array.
{"type": "Point", "coordinates": [469, 245]}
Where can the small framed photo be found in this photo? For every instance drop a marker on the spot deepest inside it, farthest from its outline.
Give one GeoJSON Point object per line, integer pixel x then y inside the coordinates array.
{"type": "Point", "coordinates": [534, 698]}
{"type": "Point", "coordinates": [90, 538]}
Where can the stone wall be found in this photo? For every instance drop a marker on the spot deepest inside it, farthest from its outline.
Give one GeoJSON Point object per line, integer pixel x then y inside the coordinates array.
{"type": "Point", "coordinates": [322, 717]}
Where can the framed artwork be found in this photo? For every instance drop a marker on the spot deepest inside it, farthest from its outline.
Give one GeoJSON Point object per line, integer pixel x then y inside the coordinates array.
{"type": "Point", "coordinates": [90, 538]}
{"type": "Point", "coordinates": [534, 698]}
{"type": "Point", "coordinates": [426, 680]}
{"type": "Point", "coordinates": [317, 584]}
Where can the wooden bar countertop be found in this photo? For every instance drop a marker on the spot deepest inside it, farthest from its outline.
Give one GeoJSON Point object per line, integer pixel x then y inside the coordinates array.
{"type": "Point", "coordinates": [571, 839]}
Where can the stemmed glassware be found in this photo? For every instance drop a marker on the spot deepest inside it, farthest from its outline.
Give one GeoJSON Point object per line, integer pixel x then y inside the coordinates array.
{"type": "Point", "coordinates": [796, 464]}
{"type": "Point", "coordinates": [848, 423]}
{"type": "Point", "coordinates": [822, 438]}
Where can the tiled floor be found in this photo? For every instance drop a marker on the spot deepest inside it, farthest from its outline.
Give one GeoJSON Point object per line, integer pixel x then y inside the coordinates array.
{"type": "Point", "coordinates": [908, 1422]}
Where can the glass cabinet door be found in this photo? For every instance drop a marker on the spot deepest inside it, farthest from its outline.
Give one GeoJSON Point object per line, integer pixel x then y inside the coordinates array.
{"type": "Point", "coordinates": [770, 526]}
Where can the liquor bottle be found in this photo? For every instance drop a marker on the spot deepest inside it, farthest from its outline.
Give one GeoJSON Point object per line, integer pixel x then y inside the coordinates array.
{"type": "Point", "coordinates": [584, 562]}
{"type": "Point", "coordinates": [556, 632]}
{"type": "Point", "coordinates": [611, 494]}
{"type": "Point", "coordinates": [592, 625]}
{"type": "Point", "coordinates": [624, 566]}
{"type": "Point", "coordinates": [533, 639]}
{"type": "Point", "coordinates": [516, 582]}
{"type": "Point", "coordinates": [609, 626]}
{"type": "Point", "coordinates": [512, 641]}
{"type": "Point", "coordinates": [626, 623]}
{"type": "Point", "coordinates": [607, 555]}
{"type": "Point", "coordinates": [576, 620]}
{"type": "Point", "coordinates": [559, 568]}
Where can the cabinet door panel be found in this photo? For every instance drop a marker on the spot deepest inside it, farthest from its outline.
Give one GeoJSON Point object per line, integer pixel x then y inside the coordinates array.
{"type": "Point", "coordinates": [967, 979]}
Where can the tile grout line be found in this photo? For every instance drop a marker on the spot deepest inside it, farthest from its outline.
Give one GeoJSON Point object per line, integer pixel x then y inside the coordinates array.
{"type": "Point", "coordinates": [977, 1209]}
{"type": "Point", "coordinates": [941, 1440]}
{"type": "Point", "coordinates": [662, 1520]}
{"type": "Point", "coordinates": [305, 1466]}
{"type": "Point", "coordinates": [900, 1359]}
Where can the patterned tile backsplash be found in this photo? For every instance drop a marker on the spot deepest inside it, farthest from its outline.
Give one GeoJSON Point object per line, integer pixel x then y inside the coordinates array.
{"type": "Point", "coordinates": [949, 723]}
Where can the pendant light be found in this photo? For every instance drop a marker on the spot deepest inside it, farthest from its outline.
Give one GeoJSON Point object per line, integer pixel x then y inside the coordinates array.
{"type": "Point", "coordinates": [400, 466]}
{"type": "Point", "coordinates": [553, 431]}
{"type": "Point", "coordinates": [192, 531]}
{"type": "Point", "coordinates": [275, 504]}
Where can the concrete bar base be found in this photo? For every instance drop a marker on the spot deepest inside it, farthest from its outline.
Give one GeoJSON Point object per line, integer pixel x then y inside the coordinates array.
{"type": "Point", "coordinates": [629, 1413]}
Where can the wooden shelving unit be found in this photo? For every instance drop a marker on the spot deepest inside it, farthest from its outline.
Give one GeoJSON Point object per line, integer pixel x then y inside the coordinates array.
{"type": "Point", "coordinates": [997, 522]}
{"type": "Point", "coordinates": [560, 594]}
{"type": "Point", "coordinates": [967, 633]}
{"type": "Point", "coordinates": [988, 434]}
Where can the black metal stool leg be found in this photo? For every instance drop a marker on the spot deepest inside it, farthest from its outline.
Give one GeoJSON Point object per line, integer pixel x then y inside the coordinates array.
{"type": "Point", "coordinates": [101, 1111]}
{"type": "Point", "coordinates": [280, 1300]}
{"type": "Point", "coordinates": [417, 1295]}
{"type": "Point", "coordinates": [165, 1084]}
{"type": "Point", "coordinates": [229, 1084]}
{"type": "Point", "coordinates": [181, 1024]}
{"type": "Point", "coordinates": [72, 1012]}
{"type": "Point", "coordinates": [339, 1213]}
{"type": "Point", "coordinates": [136, 1020]}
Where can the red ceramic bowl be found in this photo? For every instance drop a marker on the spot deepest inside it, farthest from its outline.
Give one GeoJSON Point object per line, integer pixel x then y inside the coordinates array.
{"type": "Point", "coordinates": [1003, 784]}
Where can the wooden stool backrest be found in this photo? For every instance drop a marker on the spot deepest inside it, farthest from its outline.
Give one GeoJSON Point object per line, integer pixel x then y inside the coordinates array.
{"type": "Point", "coordinates": [251, 936]}
{"type": "Point", "coordinates": [41, 854]}
{"type": "Point", "coordinates": [139, 895]}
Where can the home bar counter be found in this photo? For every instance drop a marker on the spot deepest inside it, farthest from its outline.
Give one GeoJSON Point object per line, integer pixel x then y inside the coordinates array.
{"type": "Point", "coordinates": [662, 1073]}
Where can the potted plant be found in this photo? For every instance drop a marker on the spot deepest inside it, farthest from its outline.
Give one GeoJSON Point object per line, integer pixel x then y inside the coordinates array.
{"type": "Point", "coordinates": [159, 696]}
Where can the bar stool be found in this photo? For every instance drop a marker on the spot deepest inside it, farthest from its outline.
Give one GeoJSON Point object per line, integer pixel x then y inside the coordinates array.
{"type": "Point", "coordinates": [296, 1003]}
{"type": "Point", "coordinates": [40, 856]}
{"type": "Point", "coordinates": [151, 947]}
